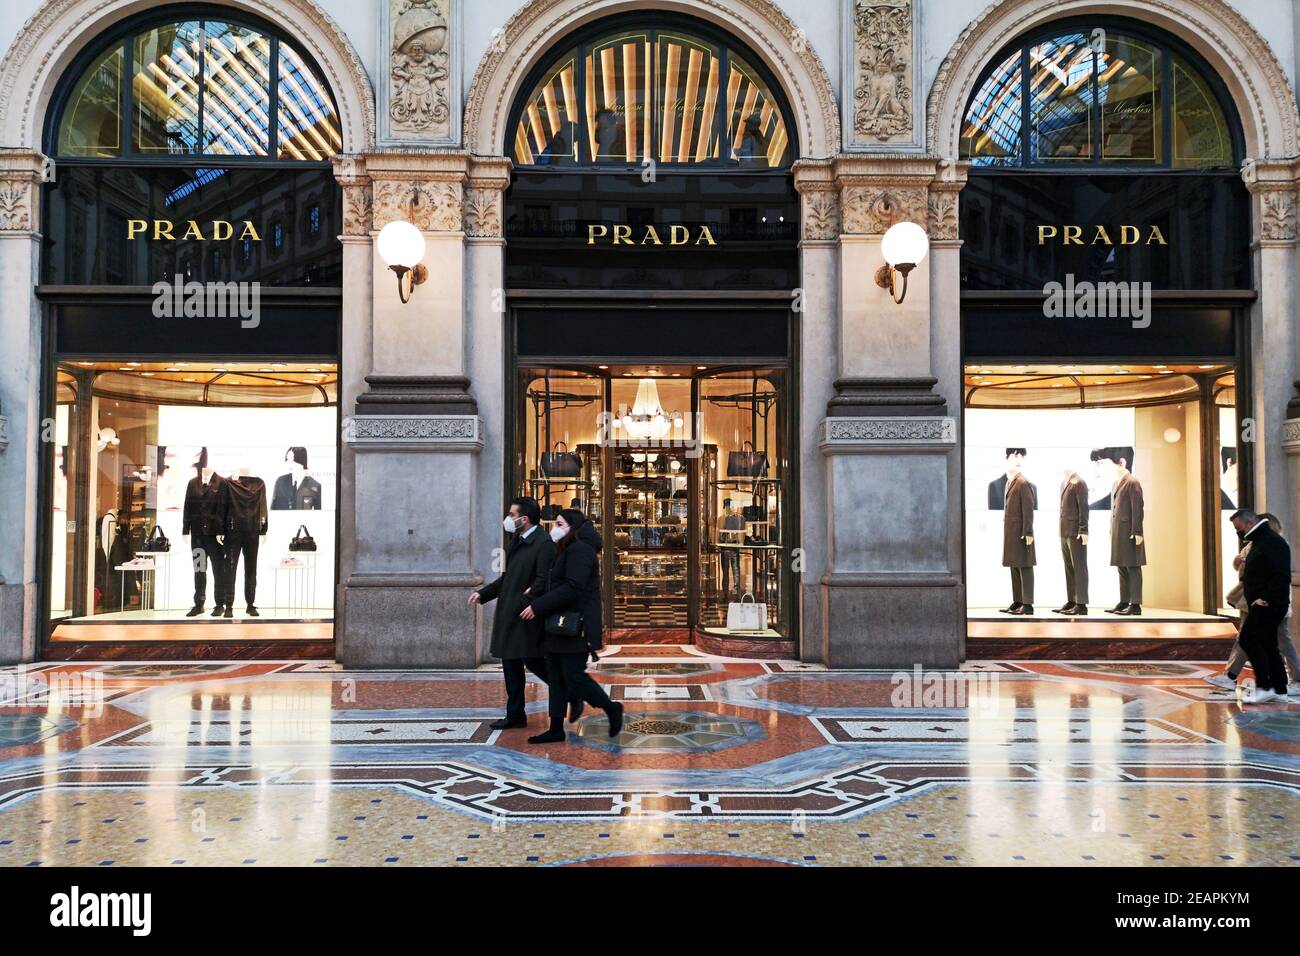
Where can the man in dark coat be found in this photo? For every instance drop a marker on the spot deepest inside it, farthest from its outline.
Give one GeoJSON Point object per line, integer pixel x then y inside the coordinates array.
{"type": "Point", "coordinates": [296, 491]}
{"type": "Point", "coordinates": [1266, 581]}
{"type": "Point", "coordinates": [1074, 542]}
{"type": "Point", "coordinates": [998, 486]}
{"type": "Point", "coordinates": [1018, 551]}
{"type": "Point", "coordinates": [1128, 551]}
{"type": "Point", "coordinates": [514, 640]}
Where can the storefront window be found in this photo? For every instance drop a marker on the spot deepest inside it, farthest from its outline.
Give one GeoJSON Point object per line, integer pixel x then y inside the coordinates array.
{"type": "Point", "coordinates": [639, 94]}
{"type": "Point", "coordinates": [193, 484]}
{"type": "Point", "coordinates": [1098, 95]}
{"type": "Point", "coordinates": [92, 119]}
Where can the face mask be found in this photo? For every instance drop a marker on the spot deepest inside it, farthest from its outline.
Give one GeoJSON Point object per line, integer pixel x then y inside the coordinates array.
{"type": "Point", "coordinates": [509, 524]}
{"type": "Point", "coordinates": [557, 533]}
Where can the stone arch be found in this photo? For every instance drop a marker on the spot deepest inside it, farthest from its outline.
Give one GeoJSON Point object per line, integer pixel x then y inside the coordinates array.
{"type": "Point", "coordinates": [48, 42]}
{"type": "Point", "coordinates": [1232, 47]}
{"type": "Point", "coordinates": [759, 24]}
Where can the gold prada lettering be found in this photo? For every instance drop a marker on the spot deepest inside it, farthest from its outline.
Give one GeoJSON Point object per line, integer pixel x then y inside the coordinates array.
{"type": "Point", "coordinates": [1128, 235]}
{"type": "Point", "coordinates": [594, 232]}
{"type": "Point", "coordinates": [623, 234]}
{"type": "Point", "coordinates": [651, 237]}
{"type": "Point", "coordinates": [705, 236]}
{"type": "Point", "coordinates": [191, 229]}
{"type": "Point", "coordinates": [620, 234]}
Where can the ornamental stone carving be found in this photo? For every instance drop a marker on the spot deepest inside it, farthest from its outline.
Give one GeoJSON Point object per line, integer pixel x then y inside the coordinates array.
{"type": "Point", "coordinates": [15, 205]}
{"type": "Point", "coordinates": [434, 206]}
{"type": "Point", "coordinates": [870, 210]}
{"type": "Point", "coordinates": [943, 215]}
{"type": "Point", "coordinates": [821, 214]}
{"type": "Point", "coordinates": [457, 430]}
{"type": "Point", "coordinates": [1291, 436]}
{"type": "Point", "coordinates": [1277, 216]}
{"type": "Point", "coordinates": [419, 67]}
{"type": "Point", "coordinates": [356, 210]}
{"type": "Point", "coordinates": [842, 434]}
{"type": "Point", "coordinates": [483, 213]}
{"type": "Point", "coordinates": [882, 64]}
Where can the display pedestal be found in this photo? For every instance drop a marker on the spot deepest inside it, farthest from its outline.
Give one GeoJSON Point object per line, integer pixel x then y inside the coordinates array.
{"type": "Point", "coordinates": [405, 601]}
{"type": "Point", "coordinates": [892, 596]}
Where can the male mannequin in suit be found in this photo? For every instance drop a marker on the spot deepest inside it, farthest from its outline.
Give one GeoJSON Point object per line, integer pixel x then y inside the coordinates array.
{"type": "Point", "coordinates": [1074, 542]}
{"type": "Point", "coordinates": [1128, 553]}
{"type": "Point", "coordinates": [1018, 552]}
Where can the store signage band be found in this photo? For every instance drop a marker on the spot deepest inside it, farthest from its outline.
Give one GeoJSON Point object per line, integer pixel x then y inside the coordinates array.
{"type": "Point", "coordinates": [1098, 235]}
{"type": "Point", "coordinates": [621, 235]}
{"type": "Point", "coordinates": [219, 229]}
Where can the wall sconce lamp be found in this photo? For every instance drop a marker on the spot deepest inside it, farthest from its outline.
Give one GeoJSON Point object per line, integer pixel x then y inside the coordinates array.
{"type": "Point", "coordinates": [401, 245]}
{"type": "Point", "coordinates": [904, 245]}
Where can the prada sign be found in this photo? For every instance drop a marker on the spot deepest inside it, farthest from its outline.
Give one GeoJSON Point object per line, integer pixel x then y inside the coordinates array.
{"type": "Point", "coordinates": [217, 229]}
{"type": "Point", "coordinates": [673, 235]}
{"type": "Point", "coordinates": [1099, 235]}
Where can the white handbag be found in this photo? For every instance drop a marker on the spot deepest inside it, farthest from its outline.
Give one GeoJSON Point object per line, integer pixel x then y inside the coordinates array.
{"type": "Point", "coordinates": [745, 615]}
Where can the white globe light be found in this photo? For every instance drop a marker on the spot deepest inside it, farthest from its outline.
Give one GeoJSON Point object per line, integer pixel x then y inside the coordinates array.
{"type": "Point", "coordinates": [1173, 436]}
{"type": "Point", "coordinates": [401, 244]}
{"type": "Point", "coordinates": [905, 243]}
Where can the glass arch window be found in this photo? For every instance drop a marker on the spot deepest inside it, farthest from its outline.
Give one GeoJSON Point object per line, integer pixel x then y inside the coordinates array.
{"type": "Point", "coordinates": [669, 95]}
{"type": "Point", "coordinates": [197, 87]}
{"type": "Point", "coordinates": [1098, 97]}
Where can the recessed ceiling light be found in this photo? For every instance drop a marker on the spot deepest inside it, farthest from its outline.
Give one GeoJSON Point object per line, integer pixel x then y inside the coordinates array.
{"type": "Point", "coordinates": [133, 364]}
{"type": "Point", "coordinates": [126, 370]}
{"type": "Point", "coordinates": [189, 379]}
{"type": "Point", "coordinates": [147, 374]}
{"type": "Point", "coordinates": [701, 367]}
{"type": "Point", "coordinates": [602, 366]}
{"type": "Point", "coordinates": [173, 369]}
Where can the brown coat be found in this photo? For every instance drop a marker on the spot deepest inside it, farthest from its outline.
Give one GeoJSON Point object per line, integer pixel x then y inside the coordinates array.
{"type": "Point", "coordinates": [1018, 523]}
{"type": "Point", "coordinates": [1074, 507]}
{"type": "Point", "coordinates": [1126, 512]}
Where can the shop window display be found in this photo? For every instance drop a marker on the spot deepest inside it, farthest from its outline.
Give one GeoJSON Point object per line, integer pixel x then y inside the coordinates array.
{"type": "Point", "coordinates": [194, 488]}
{"type": "Point", "coordinates": [1086, 483]}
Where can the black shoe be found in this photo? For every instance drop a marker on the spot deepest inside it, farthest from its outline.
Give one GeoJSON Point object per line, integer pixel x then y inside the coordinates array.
{"type": "Point", "coordinates": [1066, 608]}
{"type": "Point", "coordinates": [228, 612]}
{"type": "Point", "coordinates": [615, 714]}
{"type": "Point", "coordinates": [1133, 610]}
{"type": "Point", "coordinates": [575, 711]}
{"type": "Point", "coordinates": [1024, 610]}
{"type": "Point", "coordinates": [505, 723]}
{"type": "Point", "coordinates": [549, 737]}
{"type": "Point", "coordinates": [218, 611]}
{"type": "Point", "coordinates": [1013, 609]}
{"type": "Point", "coordinates": [1077, 610]}
{"type": "Point", "coordinates": [251, 611]}
{"type": "Point", "coordinates": [1117, 609]}
{"type": "Point", "coordinates": [195, 611]}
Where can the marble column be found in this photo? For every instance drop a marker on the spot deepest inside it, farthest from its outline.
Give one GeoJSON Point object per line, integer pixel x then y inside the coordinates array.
{"type": "Point", "coordinates": [21, 172]}
{"type": "Point", "coordinates": [414, 437]}
{"type": "Point", "coordinates": [892, 592]}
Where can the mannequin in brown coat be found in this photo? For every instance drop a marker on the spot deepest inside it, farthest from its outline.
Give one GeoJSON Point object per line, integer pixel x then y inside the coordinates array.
{"type": "Point", "coordinates": [1018, 551]}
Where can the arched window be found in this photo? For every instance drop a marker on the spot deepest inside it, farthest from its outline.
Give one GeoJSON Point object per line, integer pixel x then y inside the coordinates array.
{"type": "Point", "coordinates": [676, 96]}
{"type": "Point", "coordinates": [195, 87]}
{"type": "Point", "coordinates": [1091, 95]}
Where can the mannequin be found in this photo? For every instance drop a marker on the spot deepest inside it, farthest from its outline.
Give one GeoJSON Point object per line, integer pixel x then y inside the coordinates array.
{"type": "Point", "coordinates": [732, 531]}
{"type": "Point", "coordinates": [1074, 542]}
{"type": "Point", "coordinates": [245, 524]}
{"type": "Point", "coordinates": [204, 520]}
{"type": "Point", "coordinates": [1128, 553]}
{"type": "Point", "coordinates": [1018, 552]}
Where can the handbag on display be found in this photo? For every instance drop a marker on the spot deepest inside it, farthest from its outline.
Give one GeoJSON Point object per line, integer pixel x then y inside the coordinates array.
{"type": "Point", "coordinates": [302, 540]}
{"type": "Point", "coordinates": [756, 511]}
{"type": "Point", "coordinates": [745, 615]}
{"type": "Point", "coordinates": [551, 512]}
{"type": "Point", "coordinates": [564, 624]}
{"type": "Point", "coordinates": [156, 542]}
{"type": "Point", "coordinates": [746, 463]}
{"type": "Point", "coordinates": [561, 464]}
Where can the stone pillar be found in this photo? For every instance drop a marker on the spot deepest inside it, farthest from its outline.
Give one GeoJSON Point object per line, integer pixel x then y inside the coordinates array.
{"type": "Point", "coordinates": [817, 306]}
{"type": "Point", "coordinates": [892, 593]}
{"type": "Point", "coordinates": [414, 439]}
{"type": "Point", "coordinates": [21, 172]}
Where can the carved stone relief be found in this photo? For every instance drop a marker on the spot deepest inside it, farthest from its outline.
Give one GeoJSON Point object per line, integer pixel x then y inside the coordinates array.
{"type": "Point", "coordinates": [1277, 216]}
{"type": "Point", "coordinates": [419, 92]}
{"type": "Point", "coordinates": [483, 213]}
{"type": "Point", "coordinates": [434, 206]}
{"type": "Point", "coordinates": [870, 210]}
{"type": "Point", "coordinates": [882, 59]}
{"type": "Point", "coordinates": [821, 214]}
{"type": "Point", "coordinates": [15, 205]}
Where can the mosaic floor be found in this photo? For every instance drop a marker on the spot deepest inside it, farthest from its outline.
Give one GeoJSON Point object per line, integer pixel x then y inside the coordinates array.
{"type": "Point", "coordinates": [721, 762]}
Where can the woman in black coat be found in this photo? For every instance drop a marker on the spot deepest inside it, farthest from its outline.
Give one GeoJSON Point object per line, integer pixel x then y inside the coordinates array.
{"type": "Point", "coordinates": [572, 586]}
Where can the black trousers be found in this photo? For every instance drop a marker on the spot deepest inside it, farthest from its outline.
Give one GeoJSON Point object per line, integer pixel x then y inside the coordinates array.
{"type": "Point", "coordinates": [569, 680]}
{"type": "Point", "coordinates": [517, 680]}
{"type": "Point", "coordinates": [245, 545]}
{"type": "Point", "coordinates": [1075, 555]}
{"type": "Point", "coordinates": [1022, 585]}
{"type": "Point", "coordinates": [205, 548]}
{"type": "Point", "coordinates": [1130, 585]}
{"type": "Point", "coordinates": [1259, 640]}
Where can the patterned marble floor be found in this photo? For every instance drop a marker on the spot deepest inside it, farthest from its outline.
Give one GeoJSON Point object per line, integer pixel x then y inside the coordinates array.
{"type": "Point", "coordinates": [721, 762]}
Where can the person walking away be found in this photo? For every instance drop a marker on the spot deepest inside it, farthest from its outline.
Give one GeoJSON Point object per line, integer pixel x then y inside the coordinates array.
{"type": "Point", "coordinates": [1266, 580]}
{"type": "Point", "coordinates": [572, 590]}
{"type": "Point", "coordinates": [516, 640]}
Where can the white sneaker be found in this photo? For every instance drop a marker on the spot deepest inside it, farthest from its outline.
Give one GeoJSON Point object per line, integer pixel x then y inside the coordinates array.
{"type": "Point", "coordinates": [1262, 696]}
{"type": "Point", "coordinates": [1222, 681]}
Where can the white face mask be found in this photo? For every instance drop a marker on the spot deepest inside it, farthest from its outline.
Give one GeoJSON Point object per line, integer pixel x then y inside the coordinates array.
{"type": "Point", "coordinates": [509, 524]}
{"type": "Point", "coordinates": [557, 533]}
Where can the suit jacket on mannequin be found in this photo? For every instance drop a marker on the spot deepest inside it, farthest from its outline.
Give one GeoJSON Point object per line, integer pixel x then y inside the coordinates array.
{"type": "Point", "coordinates": [1074, 507]}
{"type": "Point", "coordinates": [246, 506]}
{"type": "Point", "coordinates": [306, 497]}
{"type": "Point", "coordinates": [1126, 513]}
{"type": "Point", "coordinates": [1018, 523]}
{"type": "Point", "coordinates": [205, 506]}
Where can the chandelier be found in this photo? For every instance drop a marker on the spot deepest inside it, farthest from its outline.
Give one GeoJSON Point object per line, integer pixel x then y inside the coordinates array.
{"type": "Point", "coordinates": [647, 419]}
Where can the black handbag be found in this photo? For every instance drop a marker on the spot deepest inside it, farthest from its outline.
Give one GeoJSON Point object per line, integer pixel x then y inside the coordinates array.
{"type": "Point", "coordinates": [561, 464]}
{"type": "Point", "coordinates": [551, 512]}
{"type": "Point", "coordinates": [756, 511]}
{"type": "Point", "coordinates": [302, 541]}
{"type": "Point", "coordinates": [746, 463]}
{"type": "Point", "coordinates": [156, 542]}
{"type": "Point", "coordinates": [564, 624]}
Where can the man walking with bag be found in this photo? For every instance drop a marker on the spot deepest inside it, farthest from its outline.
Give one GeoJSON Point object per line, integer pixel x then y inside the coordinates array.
{"type": "Point", "coordinates": [515, 640]}
{"type": "Point", "coordinates": [1266, 579]}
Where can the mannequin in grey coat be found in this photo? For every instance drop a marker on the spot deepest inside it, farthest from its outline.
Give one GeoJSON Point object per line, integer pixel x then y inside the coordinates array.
{"type": "Point", "coordinates": [1018, 551]}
